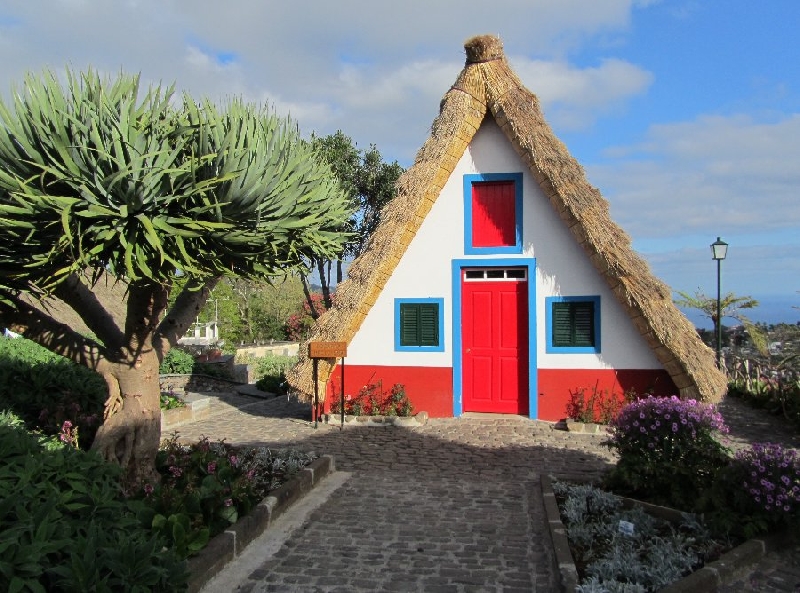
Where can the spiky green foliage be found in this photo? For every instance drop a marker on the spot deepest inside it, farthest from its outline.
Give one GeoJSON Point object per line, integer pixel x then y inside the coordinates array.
{"type": "Point", "coordinates": [98, 175]}
{"type": "Point", "coordinates": [108, 191]}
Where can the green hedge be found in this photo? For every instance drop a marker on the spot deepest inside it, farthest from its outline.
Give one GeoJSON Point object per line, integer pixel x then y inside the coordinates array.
{"type": "Point", "coordinates": [64, 525]}
{"type": "Point", "coordinates": [270, 372]}
{"type": "Point", "coordinates": [180, 362]}
{"type": "Point", "coordinates": [46, 389]}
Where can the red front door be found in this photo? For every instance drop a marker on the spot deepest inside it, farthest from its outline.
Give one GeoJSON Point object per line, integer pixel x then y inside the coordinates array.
{"type": "Point", "coordinates": [494, 322]}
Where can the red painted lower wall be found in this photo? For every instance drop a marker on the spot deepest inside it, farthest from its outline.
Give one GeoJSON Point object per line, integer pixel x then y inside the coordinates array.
{"type": "Point", "coordinates": [431, 388]}
{"type": "Point", "coordinates": [555, 386]}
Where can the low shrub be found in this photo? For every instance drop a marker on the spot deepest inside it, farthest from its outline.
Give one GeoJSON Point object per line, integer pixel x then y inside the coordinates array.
{"type": "Point", "coordinates": [45, 389]}
{"type": "Point", "coordinates": [181, 362]}
{"type": "Point", "coordinates": [758, 492]}
{"type": "Point", "coordinates": [65, 526]}
{"type": "Point", "coordinates": [205, 487]}
{"type": "Point", "coordinates": [270, 372]}
{"type": "Point", "coordinates": [170, 400]}
{"type": "Point", "coordinates": [648, 556]}
{"type": "Point", "coordinates": [599, 406]}
{"type": "Point", "coordinates": [667, 449]}
{"type": "Point", "coordinates": [177, 362]}
{"type": "Point", "coordinates": [371, 400]}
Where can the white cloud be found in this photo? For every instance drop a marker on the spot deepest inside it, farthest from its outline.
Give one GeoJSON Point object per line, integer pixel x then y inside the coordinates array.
{"type": "Point", "coordinates": [573, 97]}
{"type": "Point", "coordinates": [376, 70]}
{"type": "Point", "coordinates": [711, 175]}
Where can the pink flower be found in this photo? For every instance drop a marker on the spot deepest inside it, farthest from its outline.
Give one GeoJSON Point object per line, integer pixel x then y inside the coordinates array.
{"type": "Point", "coordinates": [228, 502]}
{"type": "Point", "coordinates": [212, 467]}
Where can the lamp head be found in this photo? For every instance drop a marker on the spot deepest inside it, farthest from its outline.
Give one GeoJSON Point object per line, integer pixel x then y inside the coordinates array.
{"type": "Point", "coordinates": [719, 249]}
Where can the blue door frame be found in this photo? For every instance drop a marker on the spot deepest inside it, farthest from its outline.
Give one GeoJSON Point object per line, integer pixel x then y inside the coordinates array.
{"type": "Point", "coordinates": [458, 387]}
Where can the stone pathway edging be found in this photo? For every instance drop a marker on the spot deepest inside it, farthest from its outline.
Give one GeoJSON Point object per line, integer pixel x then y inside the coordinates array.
{"type": "Point", "coordinates": [709, 578]}
{"type": "Point", "coordinates": [196, 408]}
{"type": "Point", "coordinates": [419, 419]}
{"type": "Point", "coordinates": [228, 545]}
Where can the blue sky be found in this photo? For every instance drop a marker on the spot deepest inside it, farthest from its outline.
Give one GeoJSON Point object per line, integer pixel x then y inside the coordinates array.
{"type": "Point", "coordinates": [684, 113]}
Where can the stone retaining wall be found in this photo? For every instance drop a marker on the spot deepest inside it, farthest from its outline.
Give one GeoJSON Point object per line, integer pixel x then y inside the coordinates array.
{"type": "Point", "coordinates": [181, 384]}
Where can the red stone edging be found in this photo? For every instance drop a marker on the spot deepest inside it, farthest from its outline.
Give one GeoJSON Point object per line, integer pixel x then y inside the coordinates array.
{"type": "Point", "coordinates": [226, 546]}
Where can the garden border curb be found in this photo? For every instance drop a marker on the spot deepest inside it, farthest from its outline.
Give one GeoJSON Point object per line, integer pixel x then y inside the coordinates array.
{"type": "Point", "coordinates": [720, 572]}
{"type": "Point", "coordinates": [228, 545]}
{"type": "Point", "coordinates": [196, 408]}
{"type": "Point", "coordinates": [418, 419]}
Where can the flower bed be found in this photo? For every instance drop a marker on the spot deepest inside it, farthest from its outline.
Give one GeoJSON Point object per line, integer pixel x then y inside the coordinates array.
{"type": "Point", "coordinates": [671, 454]}
{"type": "Point", "coordinates": [226, 546]}
{"type": "Point", "coordinates": [372, 400]}
{"type": "Point", "coordinates": [207, 486]}
{"type": "Point", "coordinates": [713, 574]}
{"type": "Point", "coordinates": [614, 546]}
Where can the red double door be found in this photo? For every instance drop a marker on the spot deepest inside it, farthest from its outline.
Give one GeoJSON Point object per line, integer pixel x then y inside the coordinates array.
{"type": "Point", "coordinates": [494, 346]}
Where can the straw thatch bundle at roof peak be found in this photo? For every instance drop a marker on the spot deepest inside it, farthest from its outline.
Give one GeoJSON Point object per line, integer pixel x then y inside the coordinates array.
{"type": "Point", "coordinates": [488, 88]}
{"type": "Point", "coordinates": [483, 48]}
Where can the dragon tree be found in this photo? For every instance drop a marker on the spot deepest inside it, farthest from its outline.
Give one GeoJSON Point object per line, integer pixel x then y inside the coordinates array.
{"type": "Point", "coordinates": [109, 192]}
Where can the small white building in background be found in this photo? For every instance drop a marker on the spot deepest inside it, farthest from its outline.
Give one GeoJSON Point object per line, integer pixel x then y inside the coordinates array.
{"type": "Point", "coordinates": [201, 334]}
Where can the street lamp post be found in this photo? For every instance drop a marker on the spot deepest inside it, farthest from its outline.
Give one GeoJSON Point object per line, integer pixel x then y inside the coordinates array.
{"type": "Point", "coordinates": [719, 249]}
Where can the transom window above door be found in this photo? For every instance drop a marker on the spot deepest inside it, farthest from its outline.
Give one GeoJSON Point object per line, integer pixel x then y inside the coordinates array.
{"type": "Point", "coordinates": [495, 274]}
{"type": "Point", "coordinates": [493, 213]}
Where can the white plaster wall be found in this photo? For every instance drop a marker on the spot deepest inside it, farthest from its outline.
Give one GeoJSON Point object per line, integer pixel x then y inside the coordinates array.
{"type": "Point", "coordinates": [562, 269]}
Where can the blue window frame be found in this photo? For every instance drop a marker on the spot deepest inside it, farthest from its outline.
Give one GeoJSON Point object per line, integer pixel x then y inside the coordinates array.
{"type": "Point", "coordinates": [471, 179]}
{"type": "Point", "coordinates": [419, 325]}
{"type": "Point", "coordinates": [573, 324]}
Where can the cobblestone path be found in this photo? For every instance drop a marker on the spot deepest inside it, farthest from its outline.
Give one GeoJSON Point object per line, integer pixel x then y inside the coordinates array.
{"type": "Point", "coordinates": [451, 506]}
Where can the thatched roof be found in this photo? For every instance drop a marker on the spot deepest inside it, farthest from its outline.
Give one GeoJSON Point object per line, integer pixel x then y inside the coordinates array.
{"type": "Point", "coordinates": [487, 87]}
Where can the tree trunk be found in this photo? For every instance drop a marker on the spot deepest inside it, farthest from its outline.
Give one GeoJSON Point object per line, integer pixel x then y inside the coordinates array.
{"type": "Point", "coordinates": [325, 281]}
{"type": "Point", "coordinates": [307, 294]}
{"type": "Point", "coordinates": [131, 430]}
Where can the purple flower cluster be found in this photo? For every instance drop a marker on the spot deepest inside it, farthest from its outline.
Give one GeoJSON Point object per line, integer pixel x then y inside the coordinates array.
{"type": "Point", "coordinates": [771, 477]}
{"type": "Point", "coordinates": [651, 422]}
{"type": "Point", "coordinates": [69, 434]}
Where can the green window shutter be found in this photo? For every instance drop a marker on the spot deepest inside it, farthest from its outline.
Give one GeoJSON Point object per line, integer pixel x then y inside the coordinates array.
{"type": "Point", "coordinates": [583, 318]}
{"type": "Point", "coordinates": [409, 322]}
{"type": "Point", "coordinates": [573, 323]}
{"type": "Point", "coordinates": [429, 324]}
{"type": "Point", "coordinates": [419, 324]}
{"type": "Point", "coordinates": [562, 326]}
